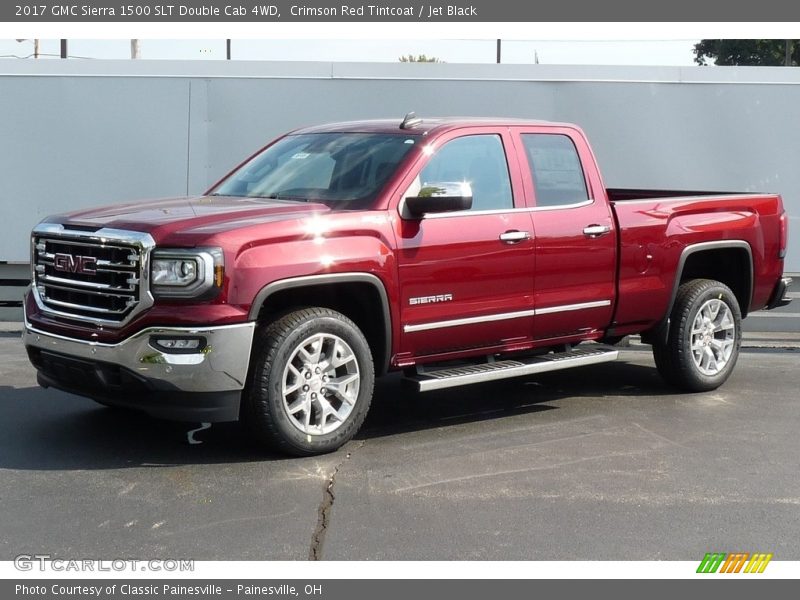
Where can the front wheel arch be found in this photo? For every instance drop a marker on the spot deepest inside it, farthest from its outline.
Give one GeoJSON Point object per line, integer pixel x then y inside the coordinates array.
{"type": "Point", "coordinates": [362, 297]}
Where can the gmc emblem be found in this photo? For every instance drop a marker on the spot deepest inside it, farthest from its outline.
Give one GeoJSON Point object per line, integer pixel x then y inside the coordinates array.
{"type": "Point", "coordinates": [69, 263]}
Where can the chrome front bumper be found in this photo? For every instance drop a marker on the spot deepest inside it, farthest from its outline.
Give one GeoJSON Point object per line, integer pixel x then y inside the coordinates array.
{"type": "Point", "coordinates": [220, 367]}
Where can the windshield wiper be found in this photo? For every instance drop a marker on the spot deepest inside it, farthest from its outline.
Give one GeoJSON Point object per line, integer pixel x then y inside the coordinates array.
{"type": "Point", "coordinates": [280, 196]}
{"type": "Point", "coordinates": [272, 196]}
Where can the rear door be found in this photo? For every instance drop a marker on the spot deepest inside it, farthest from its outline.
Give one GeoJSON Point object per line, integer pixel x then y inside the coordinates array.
{"type": "Point", "coordinates": [466, 278]}
{"type": "Point", "coordinates": [575, 238]}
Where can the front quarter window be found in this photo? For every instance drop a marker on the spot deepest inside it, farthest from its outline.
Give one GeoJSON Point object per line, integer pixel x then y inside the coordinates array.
{"type": "Point", "coordinates": [479, 160]}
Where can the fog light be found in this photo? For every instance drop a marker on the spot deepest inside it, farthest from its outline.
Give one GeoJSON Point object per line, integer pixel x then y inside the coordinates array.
{"type": "Point", "coordinates": [178, 345]}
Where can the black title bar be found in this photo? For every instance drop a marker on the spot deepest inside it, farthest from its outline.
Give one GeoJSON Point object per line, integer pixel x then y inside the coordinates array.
{"type": "Point", "coordinates": [245, 11]}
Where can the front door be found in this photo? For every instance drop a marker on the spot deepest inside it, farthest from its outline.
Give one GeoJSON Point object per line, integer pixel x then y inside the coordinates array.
{"type": "Point", "coordinates": [466, 277]}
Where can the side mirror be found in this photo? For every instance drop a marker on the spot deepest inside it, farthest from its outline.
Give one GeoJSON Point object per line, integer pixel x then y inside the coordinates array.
{"type": "Point", "coordinates": [440, 197]}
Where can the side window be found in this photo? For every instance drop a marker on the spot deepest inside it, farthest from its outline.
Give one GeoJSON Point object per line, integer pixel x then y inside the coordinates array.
{"type": "Point", "coordinates": [479, 160]}
{"type": "Point", "coordinates": [556, 168]}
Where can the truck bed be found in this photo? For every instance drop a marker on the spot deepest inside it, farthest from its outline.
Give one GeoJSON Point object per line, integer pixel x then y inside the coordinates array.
{"type": "Point", "coordinates": [656, 227]}
{"type": "Point", "coordinates": [624, 194]}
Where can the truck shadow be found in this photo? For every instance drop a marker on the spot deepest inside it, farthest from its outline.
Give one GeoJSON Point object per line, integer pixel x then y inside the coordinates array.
{"type": "Point", "coordinates": [53, 430]}
{"type": "Point", "coordinates": [396, 410]}
{"type": "Point", "coordinates": [50, 430]}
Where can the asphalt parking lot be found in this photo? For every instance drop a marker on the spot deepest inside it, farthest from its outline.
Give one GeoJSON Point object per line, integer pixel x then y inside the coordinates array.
{"type": "Point", "coordinates": [603, 463]}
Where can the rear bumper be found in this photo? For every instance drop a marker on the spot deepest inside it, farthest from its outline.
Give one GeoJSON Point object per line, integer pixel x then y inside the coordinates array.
{"type": "Point", "coordinates": [778, 297]}
{"type": "Point", "coordinates": [204, 385]}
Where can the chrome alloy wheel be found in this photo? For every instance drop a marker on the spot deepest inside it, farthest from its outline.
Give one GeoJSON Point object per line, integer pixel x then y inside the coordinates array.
{"type": "Point", "coordinates": [320, 384]}
{"type": "Point", "coordinates": [713, 336]}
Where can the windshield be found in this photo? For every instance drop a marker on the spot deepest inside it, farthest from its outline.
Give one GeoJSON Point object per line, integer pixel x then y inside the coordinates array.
{"type": "Point", "coordinates": [342, 169]}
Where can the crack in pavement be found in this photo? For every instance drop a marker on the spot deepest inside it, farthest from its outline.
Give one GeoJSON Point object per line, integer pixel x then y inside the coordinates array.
{"type": "Point", "coordinates": [325, 507]}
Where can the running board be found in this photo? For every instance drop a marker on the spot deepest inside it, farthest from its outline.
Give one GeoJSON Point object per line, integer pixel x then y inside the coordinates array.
{"type": "Point", "coordinates": [426, 381]}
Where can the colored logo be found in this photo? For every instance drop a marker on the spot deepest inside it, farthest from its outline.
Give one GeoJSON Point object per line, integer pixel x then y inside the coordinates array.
{"type": "Point", "coordinates": [736, 562]}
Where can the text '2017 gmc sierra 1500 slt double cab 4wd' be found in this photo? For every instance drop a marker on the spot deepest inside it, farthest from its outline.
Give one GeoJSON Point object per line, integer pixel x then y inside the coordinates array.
{"type": "Point", "coordinates": [454, 250]}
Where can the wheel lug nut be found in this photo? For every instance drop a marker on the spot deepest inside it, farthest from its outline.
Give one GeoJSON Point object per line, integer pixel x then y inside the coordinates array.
{"type": "Point", "coordinates": [317, 371]}
{"type": "Point", "coordinates": [308, 375]}
{"type": "Point", "coordinates": [305, 388]}
{"type": "Point", "coordinates": [313, 396]}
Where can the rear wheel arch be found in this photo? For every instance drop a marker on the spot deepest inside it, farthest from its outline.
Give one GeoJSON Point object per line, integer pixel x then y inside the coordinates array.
{"type": "Point", "coordinates": [728, 261]}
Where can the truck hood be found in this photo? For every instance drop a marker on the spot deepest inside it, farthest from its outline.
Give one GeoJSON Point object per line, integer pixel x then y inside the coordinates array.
{"type": "Point", "coordinates": [193, 215]}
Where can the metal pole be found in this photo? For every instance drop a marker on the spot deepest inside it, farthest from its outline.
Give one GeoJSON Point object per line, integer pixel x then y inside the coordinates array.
{"type": "Point", "coordinates": [135, 49]}
{"type": "Point", "coordinates": [63, 48]}
{"type": "Point", "coordinates": [228, 49]}
{"type": "Point", "coordinates": [36, 48]}
{"type": "Point", "coordinates": [498, 51]}
{"type": "Point", "coordinates": [788, 55]}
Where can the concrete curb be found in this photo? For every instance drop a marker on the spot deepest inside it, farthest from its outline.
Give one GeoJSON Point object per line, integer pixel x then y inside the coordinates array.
{"type": "Point", "coordinates": [10, 327]}
{"type": "Point", "coordinates": [750, 339]}
{"type": "Point", "coordinates": [788, 341]}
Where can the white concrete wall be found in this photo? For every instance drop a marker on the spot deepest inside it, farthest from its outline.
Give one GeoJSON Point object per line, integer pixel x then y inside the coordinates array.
{"type": "Point", "coordinates": [82, 133]}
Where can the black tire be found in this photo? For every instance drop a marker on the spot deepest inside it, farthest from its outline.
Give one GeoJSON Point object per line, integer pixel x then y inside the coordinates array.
{"type": "Point", "coordinates": [265, 412]}
{"type": "Point", "coordinates": [678, 363]}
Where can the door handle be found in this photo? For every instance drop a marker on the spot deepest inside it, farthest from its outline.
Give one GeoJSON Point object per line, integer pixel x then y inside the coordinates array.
{"type": "Point", "coordinates": [514, 237]}
{"type": "Point", "coordinates": [594, 231]}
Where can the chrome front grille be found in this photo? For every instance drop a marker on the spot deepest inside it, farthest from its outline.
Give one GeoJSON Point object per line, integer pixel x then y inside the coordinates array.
{"type": "Point", "coordinates": [95, 276]}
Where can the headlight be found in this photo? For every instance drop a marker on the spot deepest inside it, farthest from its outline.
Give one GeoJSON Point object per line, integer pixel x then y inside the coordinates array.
{"type": "Point", "coordinates": [174, 271]}
{"type": "Point", "coordinates": [186, 273]}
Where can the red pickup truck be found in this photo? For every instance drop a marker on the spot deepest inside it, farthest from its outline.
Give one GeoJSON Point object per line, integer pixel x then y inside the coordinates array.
{"type": "Point", "coordinates": [454, 250]}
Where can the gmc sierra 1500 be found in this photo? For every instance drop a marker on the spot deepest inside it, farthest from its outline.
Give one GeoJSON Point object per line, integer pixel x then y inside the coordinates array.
{"type": "Point", "coordinates": [455, 250]}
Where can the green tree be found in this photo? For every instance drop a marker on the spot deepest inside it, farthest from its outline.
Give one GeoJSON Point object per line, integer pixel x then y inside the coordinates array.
{"type": "Point", "coordinates": [767, 53]}
{"type": "Point", "coordinates": [420, 58]}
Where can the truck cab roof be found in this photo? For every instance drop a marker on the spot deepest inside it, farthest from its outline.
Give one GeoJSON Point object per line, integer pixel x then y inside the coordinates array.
{"type": "Point", "coordinates": [423, 126]}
